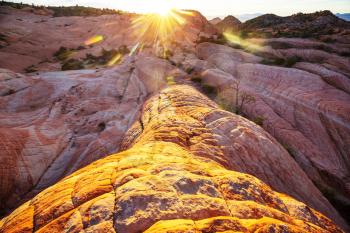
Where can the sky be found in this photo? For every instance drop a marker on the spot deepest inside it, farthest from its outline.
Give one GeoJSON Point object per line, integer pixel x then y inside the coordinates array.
{"type": "Point", "coordinates": [211, 8]}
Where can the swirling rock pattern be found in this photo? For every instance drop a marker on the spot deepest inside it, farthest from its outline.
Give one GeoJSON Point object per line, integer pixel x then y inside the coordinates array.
{"type": "Point", "coordinates": [162, 183]}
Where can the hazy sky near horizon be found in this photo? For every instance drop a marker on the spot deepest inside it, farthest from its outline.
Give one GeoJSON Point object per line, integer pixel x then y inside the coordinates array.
{"type": "Point", "coordinates": [212, 8]}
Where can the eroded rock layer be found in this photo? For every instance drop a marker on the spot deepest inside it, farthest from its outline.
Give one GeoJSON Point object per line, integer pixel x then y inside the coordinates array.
{"type": "Point", "coordinates": [164, 183]}
{"type": "Point", "coordinates": [55, 123]}
{"type": "Point", "coordinates": [307, 112]}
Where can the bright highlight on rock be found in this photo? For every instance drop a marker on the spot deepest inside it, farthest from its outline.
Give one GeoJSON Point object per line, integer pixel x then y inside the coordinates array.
{"type": "Point", "coordinates": [94, 40]}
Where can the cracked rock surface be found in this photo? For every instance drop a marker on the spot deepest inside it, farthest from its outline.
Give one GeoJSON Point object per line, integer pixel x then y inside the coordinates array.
{"type": "Point", "coordinates": [55, 123]}
{"type": "Point", "coordinates": [305, 108]}
{"type": "Point", "coordinates": [161, 183]}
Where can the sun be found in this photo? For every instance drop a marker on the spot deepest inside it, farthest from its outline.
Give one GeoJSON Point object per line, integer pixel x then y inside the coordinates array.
{"type": "Point", "coordinates": [163, 8]}
{"type": "Point", "coordinates": [157, 28]}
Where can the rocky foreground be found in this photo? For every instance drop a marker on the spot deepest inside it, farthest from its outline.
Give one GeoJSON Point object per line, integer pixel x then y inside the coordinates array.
{"type": "Point", "coordinates": [185, 163]}
{"type": "Point", "coordinates": [165, 182]}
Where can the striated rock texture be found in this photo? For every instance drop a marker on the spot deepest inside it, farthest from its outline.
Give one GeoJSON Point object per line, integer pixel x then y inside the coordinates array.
{"type": "Point", "coordinates": [55, 123]}
{"type": "Point", "coordinates": [164, 183]}
{"type": "Point", "coordinates": [29, 41]}
{"type": "Point", "coordinates": [307, 112]}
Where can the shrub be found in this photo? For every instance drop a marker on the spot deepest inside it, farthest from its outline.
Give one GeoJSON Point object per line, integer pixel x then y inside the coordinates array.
{"type": "Point", "coordinates": [123, 49]}
{"type": "Point", "coordinates": [209, 90]}
{"type": "Point", "coordinates": [72, 64]}
{"type": "Point", "coordinates": [219, 40]}
{"type": "Point", "coordinates": [196, 79]}
{"type": "Point", "coordinates": [168, 54]}
{"type": "Point", "coordinates": [90, 59]}
{"type": "Point", "coordinates": [290, 61]}
{"type": "Point", "coordinates": [179, 65]}
{"type": "Point", "coordinates": [225, 105]}
{"type": "Point", "coordinates": [30, 69]}
{"type": "Point", "coordinates": [81, 11]}
{"type": "Point", "coordinates": [62, 53]}
{"type": "Point", "coordinates": [189, 70]}
{"type": "Point", "coordinates": [173, 63]}
{"type": "Point", "coordinates": [273, 61]}
{"type": "Point", "coordinates": [66, 11]}
{"type": "Point", "coordinates": [243, 34]}
{"type": "Point", "coordinates": [106, 56]}
{"type": "Point", "coordinates": [259, 120]}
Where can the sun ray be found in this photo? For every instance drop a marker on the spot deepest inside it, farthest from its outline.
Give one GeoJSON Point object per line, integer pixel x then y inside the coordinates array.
{"type": "Point", "coordinates": [158, 30]}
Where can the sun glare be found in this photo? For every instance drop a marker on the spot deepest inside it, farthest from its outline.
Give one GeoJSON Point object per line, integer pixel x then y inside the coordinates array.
{"type": "Point", "coordinates": [157, 29]}
{"type": "Point", "coordinates": [162, 9]}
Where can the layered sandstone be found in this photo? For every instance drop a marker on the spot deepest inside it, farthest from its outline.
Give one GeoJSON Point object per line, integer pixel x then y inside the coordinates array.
{"type": "Point", "coordinates": [29, 41]}
{"type": "Point", "coordinates": [163, 183]}
{"type": "Point", "coordinates": [307, 112]}
{"type": "Point", "coordinates": [55, 123]}
{"type": "Point", "coordinates": [187, 164]}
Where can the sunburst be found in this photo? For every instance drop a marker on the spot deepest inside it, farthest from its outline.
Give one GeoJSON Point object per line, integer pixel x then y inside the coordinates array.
{"type": "Point", "coordinates": [158, 29]}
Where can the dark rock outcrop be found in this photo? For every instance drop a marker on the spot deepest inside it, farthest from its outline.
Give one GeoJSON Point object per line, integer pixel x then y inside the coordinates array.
{"type": "Point", "coordinates": [298, 25]}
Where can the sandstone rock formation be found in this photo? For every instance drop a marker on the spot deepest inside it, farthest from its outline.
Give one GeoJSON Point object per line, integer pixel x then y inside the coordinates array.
{"type": "Point", "coordinates": [297, 25]}
{"type": "Point", "coordinates": [53, 124]}
{"type": "Point", "coordinates": [229, 23]}
{"type": "Point", "coordinates": [163, 183]}
{"type": "Point", "coordinates": [186, 165]}
{"type": "Point", "coordinates": [215, 20]}
{"type": "Point", "coordinates": [58, 122]}
{"type": "Point", "coordinates": [26, 47]}
{"type": "Point", "coordinates": [309, 116]}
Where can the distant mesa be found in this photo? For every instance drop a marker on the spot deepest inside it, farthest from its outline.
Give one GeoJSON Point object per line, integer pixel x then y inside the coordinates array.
{"type": "Point", "coordinates": [228, 23]}
{"type": "Point", "coordinates": [215, 20]}
{"type": "Point", "coordinates": [245, 17]}
{"type": "Point", "coordinates": [297, 25]}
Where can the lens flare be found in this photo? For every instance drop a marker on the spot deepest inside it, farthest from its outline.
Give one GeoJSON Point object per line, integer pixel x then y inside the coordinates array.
{"type": "Point", "coordinates": [94, 40]}
{"type": "Point", "coordinates": [134, 49]}
{"type": "Point", "coordinates": [157, 30]}
{"type": "Point", "coordinates": [152, 28]}
{"type": "Point", "coordinates": [117, 58]}
{"type": "Point", "coordinates": [237, 40]}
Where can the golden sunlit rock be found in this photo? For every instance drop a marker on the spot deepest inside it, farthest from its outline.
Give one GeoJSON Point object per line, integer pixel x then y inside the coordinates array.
{"type": "Point", "coordinates": [162, 184]}
{"type": "Point", "coordinates": [113, 121]}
